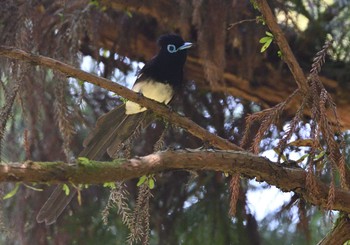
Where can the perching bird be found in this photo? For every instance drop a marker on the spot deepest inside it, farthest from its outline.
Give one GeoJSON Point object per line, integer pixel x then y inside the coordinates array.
{"type": "Point", "coordinates": [158, 80]}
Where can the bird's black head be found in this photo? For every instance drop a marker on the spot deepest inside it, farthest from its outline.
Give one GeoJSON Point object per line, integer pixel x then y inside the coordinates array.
{"type": "Point", "coordinates": [168, 64]}
{"type": "Point", "coordinates": [173, 48]}
{"type": "Point", "coordinates": [173, 44]}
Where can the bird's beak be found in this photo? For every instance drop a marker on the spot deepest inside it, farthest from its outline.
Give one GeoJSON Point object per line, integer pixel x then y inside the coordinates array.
{"type": "Point", "coordinates": [186, 45]}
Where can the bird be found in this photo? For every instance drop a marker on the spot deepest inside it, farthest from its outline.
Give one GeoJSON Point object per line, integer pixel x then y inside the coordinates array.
{"type": "Point", "coordinates": [159, 79]}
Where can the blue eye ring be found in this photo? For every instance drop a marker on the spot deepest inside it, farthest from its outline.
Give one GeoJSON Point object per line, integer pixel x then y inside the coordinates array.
{"type": "Point", "coordinates": [171, 48]}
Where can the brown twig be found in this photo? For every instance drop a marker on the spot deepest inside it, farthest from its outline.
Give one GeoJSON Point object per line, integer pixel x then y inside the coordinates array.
{"type": "Point", "coordinates": [230, 26]}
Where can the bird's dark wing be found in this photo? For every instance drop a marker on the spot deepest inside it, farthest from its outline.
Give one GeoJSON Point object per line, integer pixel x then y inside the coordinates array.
{"type": "Point", "coordinates": [110, 127]}
{"type": "Point", "coordinates": [110, 133]}
{"type": "Point", "coordinates": [130, 130]}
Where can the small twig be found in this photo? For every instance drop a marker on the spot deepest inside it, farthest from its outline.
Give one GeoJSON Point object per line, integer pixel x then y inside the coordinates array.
{"type": "Point", "coordinates": [230, 26]}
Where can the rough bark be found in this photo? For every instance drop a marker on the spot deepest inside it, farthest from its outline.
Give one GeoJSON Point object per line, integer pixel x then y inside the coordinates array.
{"type": "Point", "coordinates": [247, 164]}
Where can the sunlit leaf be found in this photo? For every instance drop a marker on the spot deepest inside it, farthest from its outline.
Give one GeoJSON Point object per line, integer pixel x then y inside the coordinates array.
{"type": "Point", "coordinates": [151, 183]}
{"type": "Point", "coordinates": [13, 192]}
{"type": "Point", "coordinates": [269, 34]}
{"type": "Point", "coordinates": [141, 180]}
{"type": "Point", "coordinates": [283, 157]}
{"type": "Point", "coordinates": [264, 39]}
{"type": "Point", "coordinates": [129, 14]}
{"type": "Point", "coordinates": [33, 188]}
{"type": "Point", "coordinates": [319, 156]}
{"type": "Point", "coordinates": [279, 53]}
{"type": "Point", "coordinates": [265, 46]}
{"type": "Point", "coordinates": [79, 197]}
{"type": "Point", "coordinates": [110, 185]}
{"type": "Point", "coordinates": [83, 160]}
{"type": "Point", "coordinates": [302, 158]}
{"type": "Point", "coordinates": [66, 189]}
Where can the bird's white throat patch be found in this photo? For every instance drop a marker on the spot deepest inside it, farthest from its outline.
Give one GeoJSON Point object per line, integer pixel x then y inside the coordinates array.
{"type": "Point", "coordinates": [160, 92]}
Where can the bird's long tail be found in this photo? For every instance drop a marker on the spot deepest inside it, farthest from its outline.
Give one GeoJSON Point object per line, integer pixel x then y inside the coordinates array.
{"type": "Point", "coordinates": [109, 135]}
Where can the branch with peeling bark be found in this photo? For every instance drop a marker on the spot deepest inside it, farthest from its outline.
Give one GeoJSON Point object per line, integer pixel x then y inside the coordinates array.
{"type": "Point", "coordinates": [247, 164]}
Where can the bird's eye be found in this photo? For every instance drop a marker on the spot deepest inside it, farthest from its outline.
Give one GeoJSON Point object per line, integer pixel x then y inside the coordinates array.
{"type": "Point", "coordinates": [171, 48]}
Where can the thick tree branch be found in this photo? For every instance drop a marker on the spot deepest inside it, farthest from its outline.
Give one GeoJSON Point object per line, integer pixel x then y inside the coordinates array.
{"type": "Point", "coordinates": [247, 164]}
{"type": "Point", "coordinates": [158, 108]}
{"type": "Point", "coordinates": [281, 41]}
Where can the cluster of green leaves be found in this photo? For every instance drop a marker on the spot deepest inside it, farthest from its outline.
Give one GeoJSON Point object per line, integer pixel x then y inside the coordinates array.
{"type": "Point", "coordinates": [147, 179]}
{"type": "Point", "coordinates": [266, 41]}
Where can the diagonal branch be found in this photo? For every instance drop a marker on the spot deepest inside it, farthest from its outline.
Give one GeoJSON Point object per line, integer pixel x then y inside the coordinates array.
{"type": "Point", "coordinates": [282, 43]}
{"type": "Point", "coordinates": [249, 165]}
{"type": "Point", "coordinates": [156, 107]}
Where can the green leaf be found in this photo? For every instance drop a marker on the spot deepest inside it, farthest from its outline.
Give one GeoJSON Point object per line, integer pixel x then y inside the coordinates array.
{"type": "Point", "coordinates": [141, 180]}
{"type": "Point", "coordinates": [279, 53]}
{"type": "Point", "coordinates": [11, 193]}
{"type": "Point", "coordinates": [283, 157]}
{"type": "Point", "coordinates": [151, 183]}
{"type": "Point", "coordinates": [66, 189]}
{"type": "Point", "coordinates": [123, 100]}
{"type": "Point", "coordinates": [302, 158]}
{"type": "Point", "coordinates": [260, 19]}
{"type": "Point", "coordinates": [129, 14]}
{"type": "Point", "coordinates": [110, 185]}
{"type": "Point", "coordinates": [265, 46]}
{"type": "Point", "coordinates": [269, 34]}
{"type": "Point", "coordinates": [83, 160]}
{"type": "Point", "coordinates": [105, 53]}
{"type": "Point", "coordinates": [255, 4]}
{"type": "Point", "coordinates": [317, 157]}
{"type": "Point", "coordinates": [265, 39]}
{"type": "Point", "coordinates": [33, 188]}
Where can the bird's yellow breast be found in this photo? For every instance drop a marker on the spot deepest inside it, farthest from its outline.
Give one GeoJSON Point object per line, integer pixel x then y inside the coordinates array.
{"type": "Point", "coordinates": [160, 92]}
